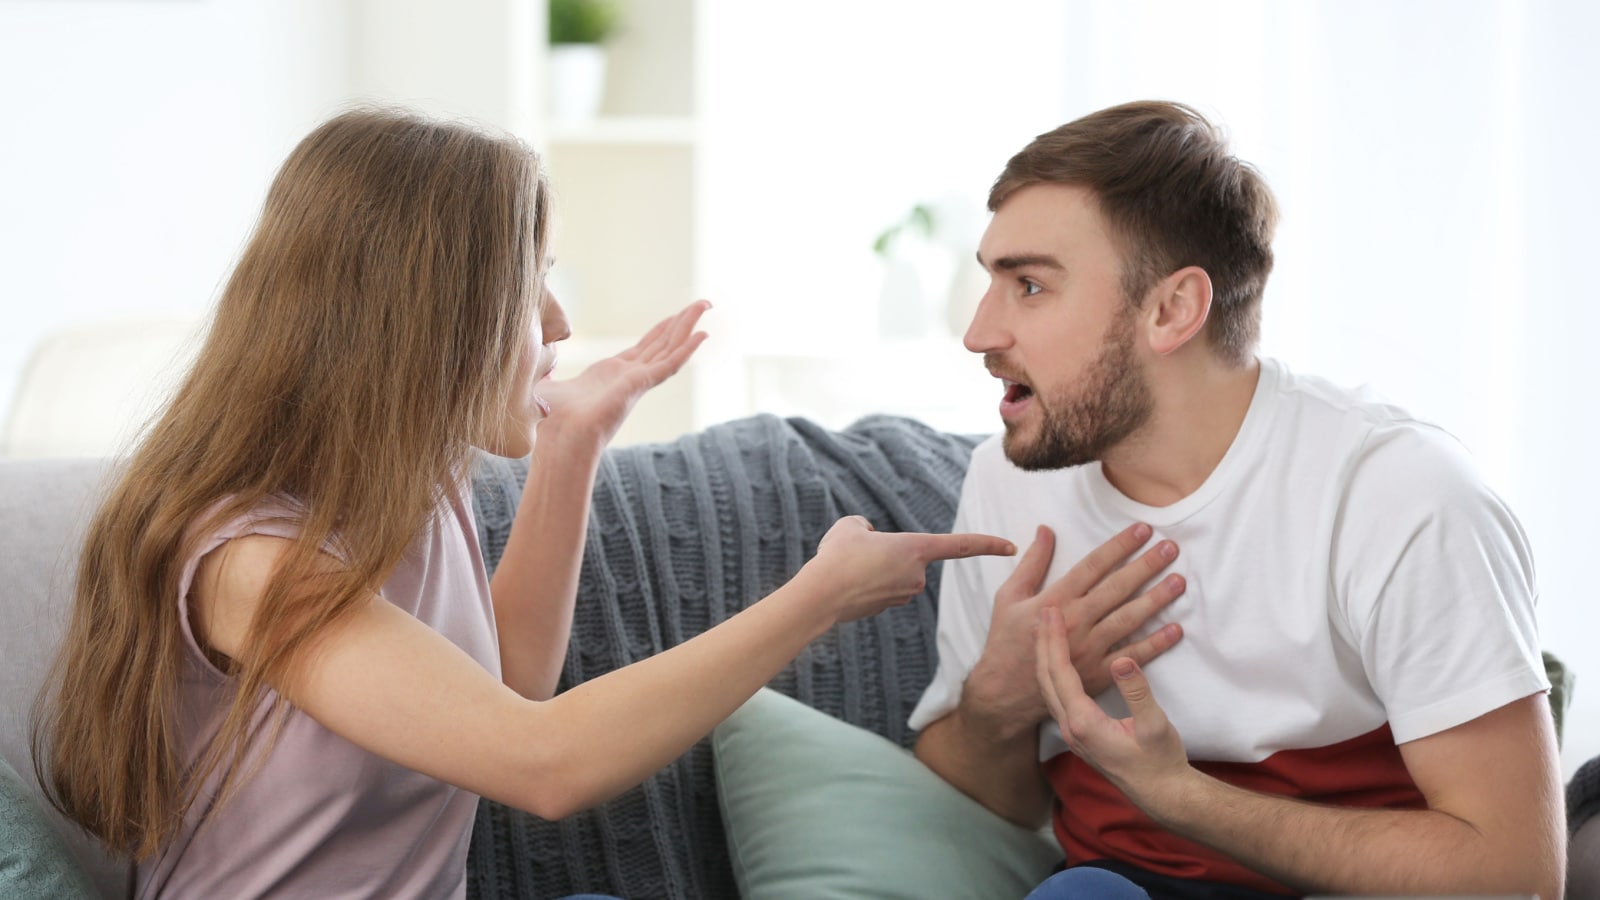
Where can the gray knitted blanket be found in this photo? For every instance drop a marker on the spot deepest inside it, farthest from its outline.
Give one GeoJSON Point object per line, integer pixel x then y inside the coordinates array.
{"type": "Point", "coordinates": [683, 535]}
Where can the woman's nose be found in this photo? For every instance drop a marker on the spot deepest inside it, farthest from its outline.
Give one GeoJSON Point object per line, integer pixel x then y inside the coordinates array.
{"type": "Point", "coordinates": [554, 320]}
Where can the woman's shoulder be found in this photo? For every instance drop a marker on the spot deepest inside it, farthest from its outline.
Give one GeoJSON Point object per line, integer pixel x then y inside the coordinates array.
{"type": "Point", "coordinates": [233, 562]}
{"type": "Point", "coordinates": [228, 586]}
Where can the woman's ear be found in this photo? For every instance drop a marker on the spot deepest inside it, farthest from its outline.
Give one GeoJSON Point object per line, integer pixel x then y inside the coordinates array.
{"type": "Point", "coordinates": [1178, 309]}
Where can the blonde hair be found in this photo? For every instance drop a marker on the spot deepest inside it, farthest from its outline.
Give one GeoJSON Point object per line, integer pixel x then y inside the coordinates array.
{"type": "Point", "coordinates": [365, 340]}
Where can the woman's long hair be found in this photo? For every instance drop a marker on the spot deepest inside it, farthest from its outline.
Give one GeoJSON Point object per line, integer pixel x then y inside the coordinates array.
{"type": "Point", "coordinates": [365, 340]}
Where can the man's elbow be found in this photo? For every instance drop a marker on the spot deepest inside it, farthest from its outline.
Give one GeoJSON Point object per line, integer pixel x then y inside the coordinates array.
{"type": "Point", "coordinates": [1535, 867]}
{"type": "Point", "coordinates": [1022, 798]}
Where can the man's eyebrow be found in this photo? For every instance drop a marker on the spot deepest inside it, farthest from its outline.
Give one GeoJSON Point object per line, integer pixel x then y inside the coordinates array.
{"type": "Point", "coordinates": [1011, 263]}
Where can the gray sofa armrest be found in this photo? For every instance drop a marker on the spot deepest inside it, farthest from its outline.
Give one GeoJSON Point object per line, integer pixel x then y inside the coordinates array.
{"type": "Point", "coordinates": [45, 507]}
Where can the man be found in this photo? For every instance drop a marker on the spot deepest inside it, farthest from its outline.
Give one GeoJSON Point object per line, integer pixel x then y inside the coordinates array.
{"type": "Point", "coordinates": [1344, 689]}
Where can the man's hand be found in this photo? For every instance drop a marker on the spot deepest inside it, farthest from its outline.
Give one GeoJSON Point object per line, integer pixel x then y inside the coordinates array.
{"type": "Point", "coordinates": [1096, 602]}
{"type": "Point", "coordinates": [988, 746]}
{"type": "Point", "coordinates": [1141, 755]}
{"type": "Point", "coordinates": [594, 403]}
{"type": "Point", "coordinates": [1477, 834]}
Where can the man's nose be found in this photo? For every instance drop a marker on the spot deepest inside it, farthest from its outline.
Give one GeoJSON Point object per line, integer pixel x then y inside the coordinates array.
{"type": "Point", "coordinates": [984, 333]}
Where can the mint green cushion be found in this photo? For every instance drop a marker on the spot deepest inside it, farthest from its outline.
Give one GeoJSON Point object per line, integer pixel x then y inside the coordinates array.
{"type": "Point", "coordinates": [815, 807]}
{"type": "Point", "coordinates": [33, 860]}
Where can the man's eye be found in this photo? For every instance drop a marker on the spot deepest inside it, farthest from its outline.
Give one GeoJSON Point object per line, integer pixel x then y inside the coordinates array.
{"type": "Point", "coordinates": [1030, 288]}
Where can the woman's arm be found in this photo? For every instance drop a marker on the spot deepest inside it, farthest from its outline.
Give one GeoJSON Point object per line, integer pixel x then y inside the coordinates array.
{"type": "Point", "coordinates": [393, 686]}
{"type": "Point", "coordinates": [536, 583]}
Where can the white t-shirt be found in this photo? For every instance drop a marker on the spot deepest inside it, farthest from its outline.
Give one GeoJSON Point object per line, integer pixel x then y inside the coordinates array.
{"type": "Point", "coordinates": [1346, 569]}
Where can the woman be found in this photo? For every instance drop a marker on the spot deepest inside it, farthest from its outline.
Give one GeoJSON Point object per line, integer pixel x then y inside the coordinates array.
{"type": "Point", "coordinates": [286, 671]}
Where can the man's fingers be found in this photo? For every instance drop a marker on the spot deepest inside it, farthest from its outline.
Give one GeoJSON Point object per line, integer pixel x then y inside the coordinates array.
{"type": "Point", "coordinates": [1123, 620]}
{"type": "Point", "coordinates": [1052, 655]}
{"type": "Point", "coordinates": [1118, 586]}
{"type": "Point", "coordinates": [1092, 569]}
{"type": "Point", "coordinates": [1026, 579]}
{"type": "Point", "coordinates": [966, 544]}
{"type": "Point", "coordinates": [1142, 651]}
{"type": "Point", "coordinates": [1055, 653]}
{"type": "Point", "coordinates": [1045, 665]}
{"type": "Point", "coordinates": [1148, 716]}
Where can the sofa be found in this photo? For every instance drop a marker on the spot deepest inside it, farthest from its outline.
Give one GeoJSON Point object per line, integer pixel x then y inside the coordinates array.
{"type": "Point", "coordinates": [807, 791]}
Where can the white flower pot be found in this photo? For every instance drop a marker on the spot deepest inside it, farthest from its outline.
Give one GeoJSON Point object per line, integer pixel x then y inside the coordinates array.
{"type": "Point", "coordinates": [577, 80]}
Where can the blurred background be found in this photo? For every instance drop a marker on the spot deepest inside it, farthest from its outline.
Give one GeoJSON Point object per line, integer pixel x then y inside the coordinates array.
{"type": "Point", "coordinates": [818, 170]}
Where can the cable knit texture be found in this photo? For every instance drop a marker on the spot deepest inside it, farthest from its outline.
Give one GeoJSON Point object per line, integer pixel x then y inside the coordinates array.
{"type": "Point", "coordinates": [683, 535]}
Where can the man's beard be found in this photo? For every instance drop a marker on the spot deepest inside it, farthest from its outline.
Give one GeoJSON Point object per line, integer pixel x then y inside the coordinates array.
{"type": "Point", "coordinates": [1081, 422]}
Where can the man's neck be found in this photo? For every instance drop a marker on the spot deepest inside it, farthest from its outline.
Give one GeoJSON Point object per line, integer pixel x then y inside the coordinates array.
{"type": "Point", "coordinates": [1199, 408]}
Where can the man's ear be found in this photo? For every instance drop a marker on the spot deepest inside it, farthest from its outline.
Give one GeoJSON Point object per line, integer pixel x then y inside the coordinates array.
{"type": "Point", "coordinates": [1177, 309]}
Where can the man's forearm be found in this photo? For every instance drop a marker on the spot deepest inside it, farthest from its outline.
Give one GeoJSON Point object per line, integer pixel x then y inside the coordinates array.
{"type": "Point", "coordinates": [1314, 847]}
{"type": "Point", "coordinates": [1000, 771]}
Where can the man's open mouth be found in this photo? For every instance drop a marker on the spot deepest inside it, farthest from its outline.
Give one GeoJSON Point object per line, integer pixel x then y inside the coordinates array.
{"type": "Point", "coordinates": [1016, 391]}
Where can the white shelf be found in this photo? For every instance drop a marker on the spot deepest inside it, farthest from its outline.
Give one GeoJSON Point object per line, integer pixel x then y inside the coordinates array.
{"type": "Point", "coordinates": [625, 223]}
{"type": "Point", "coordinates": [642, 131]}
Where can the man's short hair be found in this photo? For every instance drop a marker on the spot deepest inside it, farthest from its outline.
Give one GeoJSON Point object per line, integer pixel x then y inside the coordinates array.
{"type": "Point", "coordinates": [1173, 196]}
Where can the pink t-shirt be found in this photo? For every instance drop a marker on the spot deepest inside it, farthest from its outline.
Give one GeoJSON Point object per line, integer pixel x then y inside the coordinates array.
{"type": "Point", "coordinates": [321, 817]}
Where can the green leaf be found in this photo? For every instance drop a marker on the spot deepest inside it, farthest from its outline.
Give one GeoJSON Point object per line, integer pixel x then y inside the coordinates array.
{"type": "Point", "coordinates": [920, 220]}
{"type": "Point", "coordinates": [582, 21]}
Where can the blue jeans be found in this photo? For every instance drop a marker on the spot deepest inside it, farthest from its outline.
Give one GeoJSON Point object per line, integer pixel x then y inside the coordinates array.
{"type": "Point", "coordinates": [1087, 883]}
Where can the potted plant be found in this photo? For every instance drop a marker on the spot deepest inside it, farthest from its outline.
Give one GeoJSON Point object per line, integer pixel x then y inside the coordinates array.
{"type": "Point", "coordinates": [931, 283]}
{"type": "Point", "coordinates": [578, 31]}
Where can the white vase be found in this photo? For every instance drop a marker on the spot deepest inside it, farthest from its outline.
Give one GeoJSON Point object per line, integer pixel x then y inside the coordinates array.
{"type": "Point", "coordinates": [577, 80]}
{"type": "Point", "coordinates": [967, 286]}
{"type": "Point", "coordinates": [916, 284]}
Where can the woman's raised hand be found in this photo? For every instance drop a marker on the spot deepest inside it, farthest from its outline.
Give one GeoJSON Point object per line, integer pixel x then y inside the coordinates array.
{"type": "Point", "coordinates": [866, 571]}
{"type": "Point", "coordinates": [595, 402]}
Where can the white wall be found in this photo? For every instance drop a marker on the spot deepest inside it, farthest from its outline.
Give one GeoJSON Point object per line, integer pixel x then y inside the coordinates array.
{"type": "Point", "coordinates": [1556, 424]}
{"type": "Point", "coordinates": [138, 141]}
